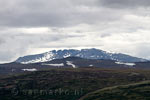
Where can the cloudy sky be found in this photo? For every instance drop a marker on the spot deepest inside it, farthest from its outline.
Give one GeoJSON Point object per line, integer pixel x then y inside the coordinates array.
{"type": "Point", "coordinates": [35, 26]}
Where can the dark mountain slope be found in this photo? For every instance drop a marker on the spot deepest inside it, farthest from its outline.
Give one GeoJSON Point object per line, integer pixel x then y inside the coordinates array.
{"type": "Point", "coordinates": [69, 62]}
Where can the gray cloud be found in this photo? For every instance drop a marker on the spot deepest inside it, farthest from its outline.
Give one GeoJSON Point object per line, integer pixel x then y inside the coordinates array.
{"type": "Point", "coordinates": [54, 13]}
{"type": "Point", "coordinates": [116, 25]}
{"type": "Point", "coordinates": [17, 44]}
{"type": "Point", "coordinates": [2, 41]}
{"type": "Point", "coordinates": [125, 3]}
{"type": "Point", "coordinates": [64, 13]}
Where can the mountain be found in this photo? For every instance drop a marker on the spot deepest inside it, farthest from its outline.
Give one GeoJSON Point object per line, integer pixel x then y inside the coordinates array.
{"type": "Point", "coordinates": [83, 53]}
{"type": "Point", "coordinates": [69, 62]}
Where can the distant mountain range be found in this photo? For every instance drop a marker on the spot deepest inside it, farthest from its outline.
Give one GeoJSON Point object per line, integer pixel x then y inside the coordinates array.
{"type": "Point", "coordinates": [83, 53]}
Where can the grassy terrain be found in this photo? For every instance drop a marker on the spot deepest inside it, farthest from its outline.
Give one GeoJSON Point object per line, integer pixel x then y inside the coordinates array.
{"type": "Point", "coordinates": [67, 83]}
{"type": "Point", "coordinates": [136, 91]}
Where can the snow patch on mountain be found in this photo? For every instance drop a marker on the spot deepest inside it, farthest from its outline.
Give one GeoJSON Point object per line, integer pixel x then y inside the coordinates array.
{"type": "Point", "coordinates": [48, 56]}
{"type": "Point", "coordinates": [66, 55]}
{"type": "Point", "coordinates": [128, 64]}
{"type": "Point", "coordinates": [30, 70]}
{"type": "Point", "coordinates": [71, 64]}
{"type": "Point", "coordinates": [91, 65]}
{"type": "Point", "coordinates": [56, 65]}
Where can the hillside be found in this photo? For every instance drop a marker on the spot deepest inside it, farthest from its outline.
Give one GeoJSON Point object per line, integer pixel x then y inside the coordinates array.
{"type": "Point", "coordinates": [136, 91]}
{"type": "Point", "coordinates": [65, 83]}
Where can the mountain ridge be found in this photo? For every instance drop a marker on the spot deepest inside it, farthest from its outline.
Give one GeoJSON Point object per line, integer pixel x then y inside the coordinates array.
{"type": "Point", "coordinates": [83, 53]}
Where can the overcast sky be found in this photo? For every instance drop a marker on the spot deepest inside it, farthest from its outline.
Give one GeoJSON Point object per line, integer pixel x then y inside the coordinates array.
{"type": "Point", "coordinates": [35, 26]}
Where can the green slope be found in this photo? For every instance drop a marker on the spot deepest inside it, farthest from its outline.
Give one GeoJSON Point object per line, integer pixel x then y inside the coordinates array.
{"type": "Point", "coordinates": [136, 91]}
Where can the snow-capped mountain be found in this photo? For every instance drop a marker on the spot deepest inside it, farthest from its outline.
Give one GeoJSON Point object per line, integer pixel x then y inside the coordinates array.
{"type": "Point", "coordinates": [83, 53]}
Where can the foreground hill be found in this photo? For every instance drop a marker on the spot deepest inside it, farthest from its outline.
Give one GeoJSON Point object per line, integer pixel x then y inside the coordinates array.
{"type": "Point", "coordinates": [68, 83]}
{"type": "Point", "coordinates": [136, 91]}
{"type": "Point", "coordinates": [83, 53]}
